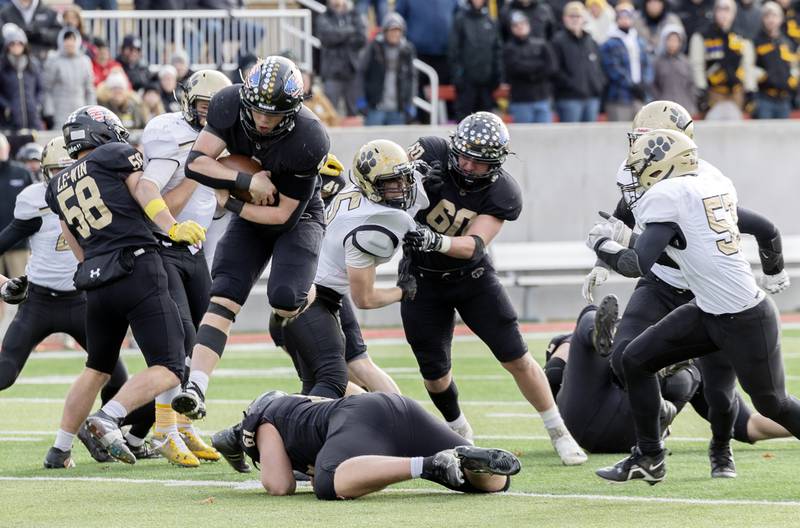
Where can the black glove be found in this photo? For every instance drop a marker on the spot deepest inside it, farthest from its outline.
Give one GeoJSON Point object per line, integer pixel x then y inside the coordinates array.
{"type": "Point", "coordinates": [639, 92]}
{"type": "Point", "coordinates": [15, 291]}
{"type": "Point", "coordinates": [422, 239]}
{"type": "Point", "coordinates": [432, 176]}
{"type": "Point", "coordinates": [406, 280]}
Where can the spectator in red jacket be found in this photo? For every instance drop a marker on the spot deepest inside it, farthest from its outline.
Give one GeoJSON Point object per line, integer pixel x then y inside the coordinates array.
{"type": "Point", "coordinates": [102, 62]}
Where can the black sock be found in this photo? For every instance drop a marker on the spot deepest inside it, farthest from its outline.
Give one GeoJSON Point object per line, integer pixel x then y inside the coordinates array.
{"type": "Point", "coordinates": [447, 402]}
{"type": "Point", "coordinates": [554, 370]}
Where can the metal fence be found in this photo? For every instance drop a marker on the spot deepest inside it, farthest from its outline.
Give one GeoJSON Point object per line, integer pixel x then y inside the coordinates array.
{"type": "Point", "coordinates": [211, 38]}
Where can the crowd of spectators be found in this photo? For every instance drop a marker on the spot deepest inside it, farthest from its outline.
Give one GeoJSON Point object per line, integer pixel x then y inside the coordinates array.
{"type": "Point", "coordinates": [532, 60]}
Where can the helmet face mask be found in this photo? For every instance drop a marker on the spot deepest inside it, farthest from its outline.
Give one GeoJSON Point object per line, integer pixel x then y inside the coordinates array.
{"type": "Point", "coordinates": [384, 174]}
{"type": "Point", "coordinates": [655, 156]}
{"type": "Point", "coordinates": [481, 137]}
{"type": "Point", "coordinates": [90, 127]}
{"type": "Point", "coordinates": [201, 86]}
{"type": "Point", "coordinates": [273, 86]}
{"type": "Point", "coordinates": [55, 158]}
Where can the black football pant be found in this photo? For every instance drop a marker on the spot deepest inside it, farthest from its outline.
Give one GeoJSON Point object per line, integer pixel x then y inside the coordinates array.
{"type": "Point", "coordinates": [316, 344]}
{"type": "Point", "coordinates": [189, 286]}
{"type": "Point", "coordinates": [379, 424]}
{"type": "Point", "coordinates": [749, 341]}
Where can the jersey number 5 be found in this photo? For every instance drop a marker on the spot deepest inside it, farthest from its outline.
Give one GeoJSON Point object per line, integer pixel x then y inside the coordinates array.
{"type": "Point", "coordinates": [722, 219]}
{"type": "Point", "coordinates": [353, 200]}
{"type": "Point", "coordinates": [90, 213]}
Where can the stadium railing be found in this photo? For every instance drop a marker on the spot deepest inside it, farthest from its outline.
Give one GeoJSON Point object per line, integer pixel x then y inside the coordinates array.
{"type": "Point", "coordinates": [211, 38]}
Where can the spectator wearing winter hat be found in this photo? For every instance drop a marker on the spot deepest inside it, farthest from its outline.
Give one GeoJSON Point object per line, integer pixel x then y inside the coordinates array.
{"type": "Point", "coordinates": [102, 63]}
{"type": "Point", "coordinates": [599, 20]}
{"type": "Point", "coordinates": [21, 89]}
{"type": "Point", "coordinates": [115, 95]}
{"type": "Point", "coordinates": [39, 22]}
{"type": "Point", "coordinates": [776, 66]}
{"type": "Point", "coordinates": [388, 74]}
{"type": "Point", "coordinates": [652, 20]}
{"type": "Point", "coordinates": [529, 64]}
{"type": "Point", "coordinates": [540, 17]}
{"type": "Point", "coordinates": [168, 82]}
{"type": "Point", "coordinates": [672, 71]}
{"type": "Point", "coordinates": [68, 78]}
{"type": "Point", "coordinates": [152, 105]}
{"type": "Point", "coordinates": [135, 66]}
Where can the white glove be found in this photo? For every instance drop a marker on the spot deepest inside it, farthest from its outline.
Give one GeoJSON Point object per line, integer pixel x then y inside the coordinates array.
{"type": "Point", "coordinates": [600, 230]}
{"type": "Point", "coordinates": [775, 283]}
{"type": "Point", "coordinates": [621, 233]}
{"type": "Point", "coordinates": [595, 278]}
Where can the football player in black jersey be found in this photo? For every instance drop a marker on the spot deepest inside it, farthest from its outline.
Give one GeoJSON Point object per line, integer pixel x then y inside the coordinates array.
{"type": "Point", "coordinates": [102, 210]}
{"type": "Point", "coordinates": [471, 196]}
{"type": "Point", "coordinates": [358, 445]}
{"type": "Point", "coordinates": [264, 118]}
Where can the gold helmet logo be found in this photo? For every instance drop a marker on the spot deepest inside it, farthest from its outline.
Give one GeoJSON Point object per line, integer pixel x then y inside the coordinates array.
{"type": "Point", "coordinates": [655, 156]}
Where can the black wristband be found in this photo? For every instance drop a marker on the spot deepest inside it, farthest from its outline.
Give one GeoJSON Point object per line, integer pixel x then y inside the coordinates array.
{"type": "Point", "coordinates": [234, 205]}
{"type": "Point", "coordinates": [243, 181]}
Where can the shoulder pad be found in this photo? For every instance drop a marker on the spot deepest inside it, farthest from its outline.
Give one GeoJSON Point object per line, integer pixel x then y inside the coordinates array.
{"type": "Point", "coordinates": [223, 110]}
{"type": "Point", "coordinates": [658, 205]}
{"type": "Point", "coordinates": [122, 157]}
{"type": "Point", "coordinates": [504, 199]}
{"type": "Point", "coordinates": [430, 149]}
{"type": "Point", "coordinates": [30, 202]}
{"type": "Point", "coordinates": [375, 240]}
{"type": "Point", "coordinates": [312, 141]}
{"type": "Point", "coordinates": [159, 139]}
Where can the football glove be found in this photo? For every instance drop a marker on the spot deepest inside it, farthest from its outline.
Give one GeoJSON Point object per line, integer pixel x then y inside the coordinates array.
{"type": "Point", "coordinates": [621, 232]}
{"type": "Point", "coordinates": [432, 175]}
{"type": "Point", "coordinates": [775, 283]}
{"type": "Point", "coordinates": [406, 280]}
{"type": "Point", "coordinates": [189, 231]}
{"type": "Point", "coordinates": [332, 166]}
{"type": "Point", "coordinates": [595, 278]}
{"type": "Point", "coordinates": [423, 239]}
{"type": "Point", "coordinates": [15, 291]}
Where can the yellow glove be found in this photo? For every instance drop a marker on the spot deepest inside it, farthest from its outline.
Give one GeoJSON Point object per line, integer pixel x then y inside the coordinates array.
{"type": "Point", "coordinates": [332, 166]}
{"type": "Point", "coordinates": [189, 231]}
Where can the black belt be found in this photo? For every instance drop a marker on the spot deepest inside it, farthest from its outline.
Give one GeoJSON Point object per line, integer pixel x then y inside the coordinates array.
{"type": "Point", "coordinates": [450, 275]}
{"type": "Point", "coordinates": [329, 294]}
{"type": "Point", "coordinates": [678, 291]}
{"type": "Point", "coordinates": [42, 290]}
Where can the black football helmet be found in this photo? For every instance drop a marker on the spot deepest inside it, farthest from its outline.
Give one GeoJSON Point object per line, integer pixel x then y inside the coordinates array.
{"type": "Point", "coordinates": [91, 126]}
{"type": "Point", "coordinates": [272, 86]}
{"type": "Point", "coordinates": [482, 137]}
{"type": "Point", "coordinates": [258, 405]}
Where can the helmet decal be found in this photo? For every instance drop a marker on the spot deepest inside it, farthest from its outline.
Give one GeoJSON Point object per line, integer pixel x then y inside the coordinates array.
{"type": "Point", "coordinates": [293, 86]}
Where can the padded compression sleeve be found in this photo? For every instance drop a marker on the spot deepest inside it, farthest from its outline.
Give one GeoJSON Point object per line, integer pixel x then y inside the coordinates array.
{"type": "Point", "coordinates": [202, 179]}
{"type": "Point", "coordinates": [17, 231]}
{"type": "Point", "coordinates": [634, 262]}
{"type": "Point", "coordinates": [770, 245]}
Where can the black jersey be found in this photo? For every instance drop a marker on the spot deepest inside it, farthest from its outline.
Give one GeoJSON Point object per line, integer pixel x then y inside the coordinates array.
{"type": "Point", "coordinates": [302, 423]}
{"type": "Point", "coordinates": [452, 210]}
{"type": "Point", "coordinates": [92, 198]}
{"type": "Point", "coordinates": [293, 159]}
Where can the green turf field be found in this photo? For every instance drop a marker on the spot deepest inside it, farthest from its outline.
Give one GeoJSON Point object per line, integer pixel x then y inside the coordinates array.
{"type": "Point", "coordinates": [152, 493]}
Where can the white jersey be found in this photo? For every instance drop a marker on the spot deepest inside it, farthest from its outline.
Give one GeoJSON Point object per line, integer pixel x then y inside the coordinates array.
{"type": "Point", "coordinates": [704, 207]}
{"type": "Point", "coordinates": [52, 263]}
{"type": "Point", "coordinates": [360, 234]}
{"type": "Point", "coordinates": [170, 137]}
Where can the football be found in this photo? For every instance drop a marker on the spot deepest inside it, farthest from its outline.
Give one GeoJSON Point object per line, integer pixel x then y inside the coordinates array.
{"type": "Point", "coordinates": [241, 163]}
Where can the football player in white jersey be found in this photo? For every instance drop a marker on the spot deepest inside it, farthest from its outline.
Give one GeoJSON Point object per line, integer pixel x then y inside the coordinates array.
{"type": "Point", "coordinates": [692, 216]}
{"type": "Point", "coordinates": [167, 140]}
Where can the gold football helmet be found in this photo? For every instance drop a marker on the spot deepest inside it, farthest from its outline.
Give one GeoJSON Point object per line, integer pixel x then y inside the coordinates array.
{"type": "Point", "coordinates": [666, 115]}
{"type": "Point", "coordinates": [385, 175]}
{"type": "Point", "coordinates": [657, 155]}
{"type": "Point", "coordinates": [55, 158]}
{"type": "Point", "coordinates": [201, 86]}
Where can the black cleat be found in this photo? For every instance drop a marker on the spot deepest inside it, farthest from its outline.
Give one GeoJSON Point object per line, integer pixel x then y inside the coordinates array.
{"type": "Point", "coordinates": [301, 477]}
{"type": "Point", "coordinates": [190, 402]}
{"type": "Point", "coordinates": [143, 451]}
{"type": "Point", "coordinates": [483, 460]}
{"type": "Point", "coordinates": [605, 325]}
{"type": "Point", "coordinates": [445, 469]}
{"type": "Point", "coordinates": [721, 457]}
{"type": "Point", "coordinates": [106, 431]}
{"type": "Point", "coordinates": [58, 459]}
{"type": "Point", "coordinates": [94, 447]}
{"type": "Point", "coordinates": [638, 466]}
{"type": "Point", "coordinates": [228, 443]}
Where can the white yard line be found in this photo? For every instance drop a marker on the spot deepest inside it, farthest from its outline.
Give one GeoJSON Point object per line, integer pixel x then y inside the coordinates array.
{"type": "Point", "coordinates": [254, 485]}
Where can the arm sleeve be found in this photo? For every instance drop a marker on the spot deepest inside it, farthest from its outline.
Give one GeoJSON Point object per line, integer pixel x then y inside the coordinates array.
{"type": "Point", "coordinates": [623, 212]}
{"type": "Point", "coordinates": [770, 245]}
{"type": "Point", "coordinates": [636, 261]}
{"type": "Point", "coordinates": [17, 231]}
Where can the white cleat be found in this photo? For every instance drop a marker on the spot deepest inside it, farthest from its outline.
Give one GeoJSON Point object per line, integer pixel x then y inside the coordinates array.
{"type": "Point", "coordinates": [464, 429]}
{"type": "Point", "coordinates": [567, 448]}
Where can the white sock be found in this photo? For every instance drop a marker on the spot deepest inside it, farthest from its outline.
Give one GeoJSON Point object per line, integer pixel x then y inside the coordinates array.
{"type": "Point", "coordinates": [166, 397]}
{"type": "Point", "coordinates": [64, 441]}
{"type": "Point", "coordinates": [552, 418]}
{"type": "Point", "coordinates": [115, 410]}
{"type": "Point", "coordinates": [416, 467]}
{"type": "Point", "coordinates": [134, 441]}
{"type": "Point", "coordinates": [200, 378]}
{"type": "Point", "coordinates": [461, 421]}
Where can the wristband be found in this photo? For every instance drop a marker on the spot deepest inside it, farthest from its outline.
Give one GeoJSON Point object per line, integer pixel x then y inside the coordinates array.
{"type": "Point", "coordinates": [243, 181]}
{"type": "Point", "coordinates": [446, 243]}
{"type": "Point", "coordinates": [155, 206]}
{"type": "Point", "coordinates": [234, 205]}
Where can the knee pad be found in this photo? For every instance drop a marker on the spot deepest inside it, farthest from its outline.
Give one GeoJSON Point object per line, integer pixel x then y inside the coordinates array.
{"type": "Point", "coordinates": [285, 298]}
{"type": "Point", "coordinates": [212, 338]}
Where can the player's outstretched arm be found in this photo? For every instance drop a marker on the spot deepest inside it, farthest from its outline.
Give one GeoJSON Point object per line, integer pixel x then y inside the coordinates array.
{"type": "Point", "coordinates": [635, 261]}
{"type": "Point", "coordinates": [470, 246]}
{"type": "Point", "coordinates": [770, 248]}
{"type": "Point", "coordinates": [364, 293]}
{"type": "Point", "coordinates": [147, 194]}
{"type": "Point", "coordinates": [276, 468]}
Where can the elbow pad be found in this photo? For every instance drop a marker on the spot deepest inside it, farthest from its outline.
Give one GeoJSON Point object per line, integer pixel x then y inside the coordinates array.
{"type": "Point", "coordinates": [623, 260]}
{"type": "Point", "coordinates": [202, 179]}
{"type": "Point", "coordinates": [770, 251]}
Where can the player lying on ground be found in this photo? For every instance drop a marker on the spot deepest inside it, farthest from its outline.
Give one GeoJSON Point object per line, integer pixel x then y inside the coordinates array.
{"type": "Point", "coordinates": [594, 404]}
{"type": "Point", "coordinates": [101, 204]}
{"type": "Point", "coordinates": [358, 445]}
{"type": "Point", "coordinates": [692, 215]}
{"type": "Point", "coordinates": [365, 224]}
